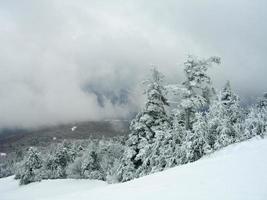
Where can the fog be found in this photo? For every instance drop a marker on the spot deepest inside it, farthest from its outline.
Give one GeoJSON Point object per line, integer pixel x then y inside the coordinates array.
{"type": "Point", "coordinates": [52, 51]}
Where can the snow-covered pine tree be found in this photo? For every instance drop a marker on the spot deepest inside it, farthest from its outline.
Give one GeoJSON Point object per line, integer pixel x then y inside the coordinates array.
{"type": "Point", "coordinates": [152, 120]}
{"type": "Point", "coordinates": [231, 102]}
{"type": "Point", "coordinates": [31, 166]}
{"type": "Point", "coordinates": [57, 161]}
{"type": "Point", "coordinates": [262, 102]}
{"type": "Point", "coordinates": [165, 150]}
{"type": "Point", "coordinates": [6, 169]}
{"type": "Point", "coordinates": [196, 142]}
{"type": "Point", "coordinates": [198, 89]}
{"type": "Point", "coordinates": [99, 160]}
{"type": "Point", "coordinates": [110, 153]}
{"type": "Point", "coordinates": [224, 119]}
{"type": "Point", "coordinates": [91, 168]}
{"type": "Point", "coordinates": [194, 97]}
{"type": "Point", "coordinates": [256, 121]}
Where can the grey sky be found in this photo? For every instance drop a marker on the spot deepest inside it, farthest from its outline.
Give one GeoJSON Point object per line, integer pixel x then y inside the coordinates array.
{"type": "Point", "coordinates": [50, 49]}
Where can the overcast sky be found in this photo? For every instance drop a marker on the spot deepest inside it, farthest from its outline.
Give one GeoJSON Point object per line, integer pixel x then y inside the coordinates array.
{"type": "Point", "coordinates": [50, 49]}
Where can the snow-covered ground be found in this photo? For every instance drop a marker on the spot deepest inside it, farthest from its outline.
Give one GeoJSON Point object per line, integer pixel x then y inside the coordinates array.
{"type": "Point", "coordinates": [238, 172]}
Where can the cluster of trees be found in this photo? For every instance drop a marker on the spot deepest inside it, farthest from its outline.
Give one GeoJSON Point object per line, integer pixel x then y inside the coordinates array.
{"type": "Point", "coordinates": [8, 162]}
{"type": "Point", "coordinates": [203, 121]}
{"type": "Point", "coordinates": [162, 134]}
{"type": "Point", "coordinates": [93, 159]}
{"type": "Point", "coordinates": [6, 168]}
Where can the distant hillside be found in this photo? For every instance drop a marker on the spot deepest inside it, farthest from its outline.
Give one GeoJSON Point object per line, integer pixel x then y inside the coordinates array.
{"type": "Point", "coordinates": [10, 140]}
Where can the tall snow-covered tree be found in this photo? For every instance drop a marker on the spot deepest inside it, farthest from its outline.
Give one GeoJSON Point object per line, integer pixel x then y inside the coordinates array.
{"type": "Point", "coordinates": [224, 119]}
{"type": "Point", "coordinates": [166, 149]}
{"type": "Point", "coordinates": [144, 128]}
{"type": "Point", "coordinates": [91, 165]}
{"type": "Point", "coordinates": [198, 90]}
{"type": "Point", "coordinates": [197, 139]}
{"type": "Point", "coordinates": [256, 121]}
{"type": "Point", "coordinates": [58, 160]}
{"type": "Point", "coordinates": [254, 125]}
{"type": "Point", "coordinates": [31, 166]}
{"type": "Point", "coordinates": [230, 102]}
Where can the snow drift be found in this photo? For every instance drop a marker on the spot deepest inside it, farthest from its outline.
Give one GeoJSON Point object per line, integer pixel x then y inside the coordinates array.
{"type": "Point", "coordinates": [237, 172]}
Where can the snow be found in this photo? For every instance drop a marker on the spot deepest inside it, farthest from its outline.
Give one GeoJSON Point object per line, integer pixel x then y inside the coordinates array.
{"type": "Point", "coordinates": [73, 128]}
{"type": "Point", "coordinates": [3, 154]}
{"type": "Point", "coordinates": [237, 172]}
{"type": "Point", "coordinates": [49, 189]}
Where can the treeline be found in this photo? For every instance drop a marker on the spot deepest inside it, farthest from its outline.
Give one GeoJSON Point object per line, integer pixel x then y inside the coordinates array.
{"type": "Point", "coordinates": [179, 123]}
{"type": "Point", "coordinates": [90, 159]}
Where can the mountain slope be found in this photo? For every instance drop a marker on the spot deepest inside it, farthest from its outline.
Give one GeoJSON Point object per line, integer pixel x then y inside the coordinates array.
{"type": "Point", "coordinates": [237, 172]}
{"type": "Point", "coordinates": [11, 140]}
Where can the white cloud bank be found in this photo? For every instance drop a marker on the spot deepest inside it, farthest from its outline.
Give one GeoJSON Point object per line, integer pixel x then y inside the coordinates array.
{"type": "Point", "coordinates": [51, 49]}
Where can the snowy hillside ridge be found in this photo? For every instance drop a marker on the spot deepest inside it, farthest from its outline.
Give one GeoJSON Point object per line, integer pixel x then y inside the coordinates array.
{"type": "Point", "coordinates": [237, 172]}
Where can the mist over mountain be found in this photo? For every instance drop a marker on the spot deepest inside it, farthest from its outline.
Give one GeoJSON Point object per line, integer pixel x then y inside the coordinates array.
{"type": "Point", "coordinates": [115, 97]}
{"type": "Point", "coordinates": [65, 61]}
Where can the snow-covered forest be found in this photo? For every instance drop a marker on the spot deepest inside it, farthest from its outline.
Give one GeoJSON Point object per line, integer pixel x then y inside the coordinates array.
{"type": "Point", "coordinates": [133, 100]}
{"type": "Point", "coordinates": [227, 174]}
{"type": "Point", "coordinates": [178, 124]}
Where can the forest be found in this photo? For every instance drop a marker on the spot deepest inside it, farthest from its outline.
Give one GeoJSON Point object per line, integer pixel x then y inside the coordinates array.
{"type": "Point", "coordinates": [179, 123]}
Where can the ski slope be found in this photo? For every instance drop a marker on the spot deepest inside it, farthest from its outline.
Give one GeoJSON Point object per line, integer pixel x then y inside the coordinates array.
{"type": "Point", "coordinates": [238, 172]}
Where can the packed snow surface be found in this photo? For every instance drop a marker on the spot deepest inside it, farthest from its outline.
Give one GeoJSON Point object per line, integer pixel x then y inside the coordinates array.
{"type": "Point", "coordinates": [238, 172]}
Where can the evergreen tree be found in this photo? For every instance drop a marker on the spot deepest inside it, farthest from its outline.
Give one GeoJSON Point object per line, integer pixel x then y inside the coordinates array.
{"type": "Point", "coordinates": [256, 122]}
{"type": "Point", "coordinates": [224, 119]}
{"type": "Point", "coordinates": [198, 90]}
{"type": "Point", "coordinates": [110, 153]}
{"type": "Point", "coordinates": [198, 138]}
{"type": "Point", "coordinates": [31, 167]}
{"type": "Point", "coordinates": [58, 160]}
{"type": "Point", "coordinates": [100, 161]}
{"type": "Point", "coordinates": [262, 102]}
{"type": "Point", "coordinates": [152, 120]}
{"type": "Point", "coordinates": [91, 168]}
{"type": "Point", "coordinates": [231, 103]}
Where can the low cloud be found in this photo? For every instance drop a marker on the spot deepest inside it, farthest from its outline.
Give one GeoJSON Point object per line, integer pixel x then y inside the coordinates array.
{"type": "Point", "coordinates": [51, 50]}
